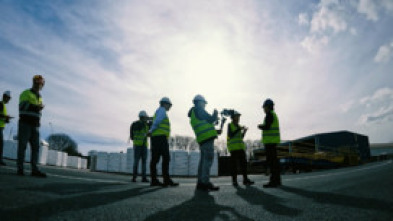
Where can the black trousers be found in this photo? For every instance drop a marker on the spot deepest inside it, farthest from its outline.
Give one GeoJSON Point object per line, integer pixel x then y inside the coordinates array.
{"type": "Point", "coordinates": [1, 143]}
{"type": "Point", "coordinates": [159, 147]}
{"type": "Point", "coordinates": [238, 156]}
{"type": "Point", "coordinates": [272, 162]}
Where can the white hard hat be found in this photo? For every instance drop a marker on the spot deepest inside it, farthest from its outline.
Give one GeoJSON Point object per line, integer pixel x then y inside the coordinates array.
{"type": "Point", "coordinates": [199, 98]}
{"type": "Point", "coordinates": [8, 93]}
{"type": "Point", "coordinates": [165, 100]}
{"type": "Point", "coordinates": [143, 114]}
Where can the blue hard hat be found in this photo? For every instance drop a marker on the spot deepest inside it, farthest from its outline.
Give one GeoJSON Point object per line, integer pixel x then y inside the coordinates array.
{"type": "Point", "coordinates": [268, 102]}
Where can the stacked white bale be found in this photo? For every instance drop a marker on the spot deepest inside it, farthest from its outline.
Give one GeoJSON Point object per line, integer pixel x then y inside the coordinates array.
{"type": "Point", "coordinates": [214, 168]}
{"type": "Point", "coordinates": [102, 162]}
{"type": "Point", "coordinates": [123, 163]}
{"type": "Point", "coordinates": [54, 158]}
{"type": "Point", "coordinates": [114, 162]}
{"type": "Point", "coordinates": [74, 162]}
{"type": "Point", "coordinates": [43, 155]}
{"type": "Point", "coordinates": [83, 163]}
{"type": "Point", "coordinates": [193, 162]}
{"type": "Point", "coordinates": [179, 163]}
{"type": "Point", "coordinates": [64, 159]}
{"type": "Point", "coordinates": [130, 160]}
{"type": "Point", "coordinates": [10, 149]}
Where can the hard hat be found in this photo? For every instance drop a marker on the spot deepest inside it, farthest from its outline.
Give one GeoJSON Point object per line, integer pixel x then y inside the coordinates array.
{"type": "Point", "coordinates": [39, 78]}
{"type": "Point", "coordinates": [7, 93]}
{"type": "Point", "coordinates": [268, 102]}
{"type": "Point", "coordinates": [199, 98]}
{"type": "Point", "coordinates": [165, 100]}
{"type": "Point", "coordinates": [235, 113]}
{"type": "Point", "coordinates": [143, 114]}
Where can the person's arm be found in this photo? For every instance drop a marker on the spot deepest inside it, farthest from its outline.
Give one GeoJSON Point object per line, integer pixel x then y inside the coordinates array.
{"type": "Point", "coordinates": [268, 122]}
{"type": "Point", "coordinates": [160, 116]}
{"type": "Point", "coordinates": [201, 114]}
{"type": "Point", "coordinates": [132, 131]}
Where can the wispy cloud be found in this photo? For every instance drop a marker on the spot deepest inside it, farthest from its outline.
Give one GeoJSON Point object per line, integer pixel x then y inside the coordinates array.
{"type": "Point", "coordinates": [384, 53]}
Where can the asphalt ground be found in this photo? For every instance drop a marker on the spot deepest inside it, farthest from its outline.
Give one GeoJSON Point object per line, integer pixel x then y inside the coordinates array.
{"type": "Point", "coordinates": [354, 193]}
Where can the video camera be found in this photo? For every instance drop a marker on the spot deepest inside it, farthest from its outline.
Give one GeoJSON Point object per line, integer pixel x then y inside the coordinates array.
{"type": "Point", "coordinates": [227, 112]}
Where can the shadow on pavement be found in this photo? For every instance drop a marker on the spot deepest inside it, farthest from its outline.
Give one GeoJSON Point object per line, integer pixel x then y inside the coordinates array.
{"type": "Point", "coordinates": [70, 188]}
{"type": "Point", "coordinates": [343, 200]}
{"type": "Point", "coordinates": [85, 201]}
{"type": "Point", "coordinates": [201, 206]}
{"type": "Point", "coordinates": [269, 202]}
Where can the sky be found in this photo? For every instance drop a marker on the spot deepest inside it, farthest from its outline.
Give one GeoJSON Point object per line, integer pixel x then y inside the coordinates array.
{"type": "Point", "coordinates": [326, 64]}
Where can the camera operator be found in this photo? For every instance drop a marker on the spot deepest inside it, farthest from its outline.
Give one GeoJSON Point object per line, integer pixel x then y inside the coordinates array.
{"type": "Point", "coordinates": [237, 147]}
{"type": "Point", "coordinates": [203, 125]}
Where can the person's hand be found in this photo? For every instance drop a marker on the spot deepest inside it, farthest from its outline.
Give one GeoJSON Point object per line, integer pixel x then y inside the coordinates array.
{"type": "Point", "coordinates": [41, 106]}
{"type": "Point", "coordinates": [148, 134]}
{"type": "Point", "coordinates": [215, 112]}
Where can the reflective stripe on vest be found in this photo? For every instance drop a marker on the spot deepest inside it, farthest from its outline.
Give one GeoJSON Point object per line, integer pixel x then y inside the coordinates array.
{"type": "Point", "coordinates": [164, 128]}
{"type": "Point", "coordinates": [26, 98]}
{"type": "Point", "coordinates": [140, 138]}
{"type": "Point", "coordinates": [272, 136]}
{"type": "Point", "coordinates": [2, 120]}
{"type": "Point", "coordinates": [203, 130]}
{"type": "Point", "coordinates": [236, 142]}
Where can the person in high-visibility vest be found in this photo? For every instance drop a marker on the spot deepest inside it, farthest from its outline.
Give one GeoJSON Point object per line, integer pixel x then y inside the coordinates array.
{"type": "Point", "coordinates": [30, 108]}
{"type": "Point", "coordinates": [237, 148]}
{"type": "Point", "coordinates": [270, 138]}
{"type": "Point", "coordinates": [138, 133]}
{"type": "Point", "coordinates": [160, 132]}
{"type": "Point", "coordinates": [203, 125]}
{"type": "Point", "coordinates": [4, 119]}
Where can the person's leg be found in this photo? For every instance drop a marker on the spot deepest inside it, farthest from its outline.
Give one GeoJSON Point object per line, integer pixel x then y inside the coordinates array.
{"type": "Point", "coordinates": [243, 164]}
{"type": "Point", "coordinates": [24, 132]}
{"type": "Point", "coordinates": [1, 145]}
{"type": "Point", "coordinates": [137, 155]}
{"type": "Point", "coordinates": [144, 156]}
{"type": "Point", "coordinates": [155, 157]}
{"type": "Point", "coordinates": [164, 150]}
{"type": "Point", "coordinates": [233, 166]}
{"type": "Point", "coordinates": [201, 162]}
{"type": "Point", "coordinates": [275, 165]}
{"type": "Point", "coordinates": [35, 148]}
{"type": "Point", "coordinates": [208, 158]}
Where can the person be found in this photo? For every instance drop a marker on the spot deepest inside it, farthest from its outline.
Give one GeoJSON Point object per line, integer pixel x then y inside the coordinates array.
{"type": "Point", "coordinates": [30, 108]}
{"type": "Point", "coordinates": [270, 138]}
{"type": "Point", "coordinates": [203, 125]}
{"type": "Point", "coordinates": [160, 132]}
{"type": "Point", "coordinates": [237, 147]}
{"type": "Point", "coordinates": [138, 133]}
{"type": "Point", "coordinates": [4, 119]}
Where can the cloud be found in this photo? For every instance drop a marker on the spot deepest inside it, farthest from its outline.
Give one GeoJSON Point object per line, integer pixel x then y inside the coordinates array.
{"type": "Point", "coordinates": [329, 16]}
{"type": "Point", "coordinates": [369, 8]}
{"type": "Point", "coordinates": [384, 53]}
{"type": "Point", "coordinates": [314, 44]}
{"type": "Point", "coordinates": [378, 107]}
{"type": "Point", "coordinates": [303, 19]}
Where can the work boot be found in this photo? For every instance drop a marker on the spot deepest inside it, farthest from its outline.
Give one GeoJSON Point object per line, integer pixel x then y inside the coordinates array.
{"type": "Point", "coordinates": [235, 183]}
{"type": "Point", "coordinates": [248, 182]}
{"type": "Point", "coordinates": [271, 185]}
{"type": "Point", "coordinates": [202, 187]}
{"type": "Point", "coordinates": [2, 163]}
{"type": "Point", "coordinates": [170, 183]}
{"type": "Point", "coordinates": [211, 187]}
{"type": "Point", "coordinates": [20, 173]}
{"type": "Point", "coordinates": [133, 180]}
{"type": "Point", "coordinates": [38, 174]}
{"type": "Point", "coordinates": [145, 180]}
{"type": "Point", "coordinates": [156, 182]}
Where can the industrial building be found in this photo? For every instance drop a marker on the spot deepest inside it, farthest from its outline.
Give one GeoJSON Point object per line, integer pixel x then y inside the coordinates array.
{"type": "Point", "coordinates": [323, 150]}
